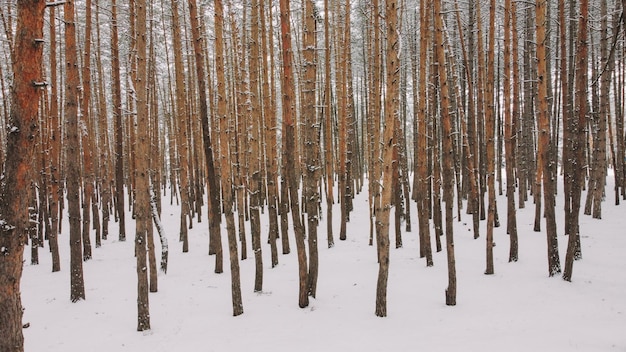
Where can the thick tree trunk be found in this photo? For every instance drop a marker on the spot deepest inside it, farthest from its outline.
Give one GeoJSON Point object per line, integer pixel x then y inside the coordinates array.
{"type": "Point", "coordinates": [72, 83]}
{"type": "Point", "coordinates": [18, 171]}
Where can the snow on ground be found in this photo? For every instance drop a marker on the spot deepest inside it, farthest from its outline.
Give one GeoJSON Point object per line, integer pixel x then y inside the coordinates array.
{"type": "Point", "coordinates": [518, 309]}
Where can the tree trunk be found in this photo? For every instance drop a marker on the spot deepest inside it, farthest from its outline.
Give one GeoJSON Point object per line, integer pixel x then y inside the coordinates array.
{"type": "Point", "coordinates": [289, 144]}
{"type": "Point", "coordinates": [142, 183]}
{"type": "Point", "coordinates": [312, 133]}
{"type": "Point", "coordinates": [392, 107]}
{"type": "Point", "coordinates": [578, 140]}
{"type": "Point", "coordinates": [490, 139]}
{"type": "Point", "coordinates": [117, 123]}
{"type": "Point", "coordinates": [543, 153]}
{"type": "Point", "coordinates": [55, 147]}
{"type": "Point", "coordinates": [183, 122]}
{"type": "Point", "coordinates": [508, 133]}
{"type": "Point", "coordinates": [77, 284]}
{"type": "Point", "coordinates": [225, 132]}
{"type": "Point", "coordinates": [18, 171]}
{"type": "Point", "coordinates": [87, 136]}
{"type": "Point", "coordinates": [212, 177]}
{"type": "Point", "coordinates": [448, 175]}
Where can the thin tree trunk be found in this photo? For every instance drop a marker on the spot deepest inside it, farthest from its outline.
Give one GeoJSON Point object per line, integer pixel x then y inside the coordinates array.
{"type": "Point", "coordinates": [142, 196]}
{"type": "Point", "coordinates": [544, 160]}
{"type": "Point", "coordinates": [508, 134]}
{"type": "Point", "coordinates": [77, 284]}
{"type": "Point", "coordinates": [448, 186]}
{"type": "Point", "coordinates": [55, 147]}
{"type": "Point", "coordinates": [312, 133]}
{"type": "Point", "coordinates": [87, 136]}
{"type": "Point", "coordinates": [289, 148]}
{"type": "Point", "coordinates": [490, 139]}
{"type": "Point", "coordinates": [117, 122]}
{"type": "Point", "coordinates": [389, 140]}
{"type": "Point", "coordinates": [421, 135]}
{"type": "Point", "coordinates": [212, 177]}
{"type": "Point", "coordinates": [578, 140]}
{"type": "Point", "coordinates": [225, 131]}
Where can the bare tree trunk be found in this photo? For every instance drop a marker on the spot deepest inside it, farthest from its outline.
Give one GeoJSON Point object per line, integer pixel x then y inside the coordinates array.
{"type": "Point", "coordinates": [289, 148]}
{"type": "Point", "coordinates": [211, 175]}
{"type": "Point", "coordinates": [448, 187]}
{"type": "Point", "coordinates": [255, 148]}
{"type": "Point", "coordinates": [87, 137]}
{"type": "Point", "coordinates": [142, 195]}
{"type": "Point", "coordinates": [508, 134]}
{"type": "Point", "coordinates": [183, 121]}
{"type": "Point", "coordinates": [391, 115]}
{"type": "Point", "coordinates": [269, 112]}
{"type": "Point", "coordinates": [117, 122]}
{"type": "Point", "coordinates": [77, 284]}
{"type": "Point", "coordinates": [544, 160]}
{"type": "Point", "coordinates": [225, 132]}
{"type": "Point", "coordinates": [18, 171]}
{"type": "Point", "coordinates": [55, 147]}
{"type": "Point", "coordinates": [421, 135]}
{"type": "Point", "coordinates": [578, 140]}
{"type": "Point", "coordinates": [328, 119]}
{"type": "Point", "coordinates": [490, 138]}
{"type": "Point", "coordinates": [311, 133]}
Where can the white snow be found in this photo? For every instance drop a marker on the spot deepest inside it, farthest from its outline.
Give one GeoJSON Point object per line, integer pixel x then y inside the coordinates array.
{"type": "Point", "coordinates": [518, 309]}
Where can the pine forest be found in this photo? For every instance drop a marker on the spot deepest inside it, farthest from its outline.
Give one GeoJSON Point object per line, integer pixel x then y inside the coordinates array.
{"type": "Point", "coordinates": [274, 129]}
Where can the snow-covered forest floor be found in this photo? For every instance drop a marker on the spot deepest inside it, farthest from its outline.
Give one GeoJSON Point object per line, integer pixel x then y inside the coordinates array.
{"type": "Point", "coordinates": [519, 308]}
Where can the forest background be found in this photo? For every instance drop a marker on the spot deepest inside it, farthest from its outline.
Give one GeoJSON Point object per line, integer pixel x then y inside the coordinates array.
{"type": "Point", "coordinates": [238, 111]}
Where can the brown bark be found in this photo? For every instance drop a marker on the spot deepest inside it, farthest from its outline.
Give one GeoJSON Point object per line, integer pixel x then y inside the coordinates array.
{"type": "Point", "coordinates": [225, 132]}
{"type": "Point", "coordinates": [543, 153]}
{"type": "Point", "coordinates": [578, 140]}
{"type": "Point", "coordinates": [117, 123]}
{"type": "Point", "coordinates": [142, 184]}
{"type": "Point", "coordinates": [490, 139]}
{"type": "Point", "coordinates": [448, 175]}
{"type": "Point", "coordinates": [328, 119]}
{"type": "Point", "coordinates": [18, 171]}
{"type": "Point", "coordinates": [87, 137]}
{"type": "Point", "coordinates": [312, 133]}
{"type": "Point", "coordinates": [389, 140]}
{"type": "Point", "coordinates": [55, 147]}
{"type": "Point", "coordinates": [269, 114]}
{"type": "Point", "coordinates": [183, 122]}
{"type": "Point", "coordinates": [421, 135]}
{"type": "Point", "coordinates": [508, 134]}
{"type": "Point", "coordinates": [255, 148]}
{"type": "Point", "coordinates": [72, 83]}
{"type": "Point", "coordinates": [212, 178]}
{"type": "Point", "coordinates": [289, 144]}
